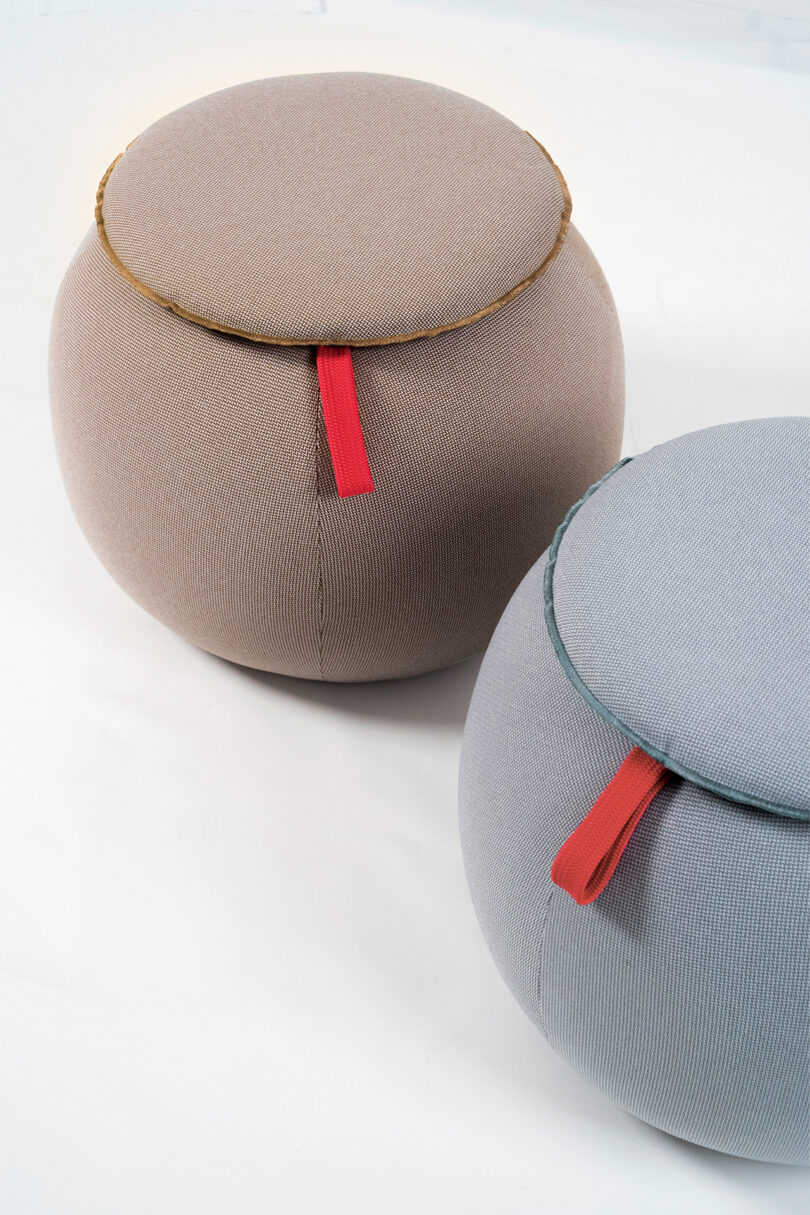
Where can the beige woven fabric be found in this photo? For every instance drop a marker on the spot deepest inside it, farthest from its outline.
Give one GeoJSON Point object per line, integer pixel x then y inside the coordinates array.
{"type": "Point", "coordinates": [197, 466]}
{"type": "Point", "coordinates": [333, 208]}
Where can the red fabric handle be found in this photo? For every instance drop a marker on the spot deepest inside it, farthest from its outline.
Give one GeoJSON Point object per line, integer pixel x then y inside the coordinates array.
{"type": "Point", "coordinates": [585, 863]}
{"type": "Point", "coordinates": [341, 415]}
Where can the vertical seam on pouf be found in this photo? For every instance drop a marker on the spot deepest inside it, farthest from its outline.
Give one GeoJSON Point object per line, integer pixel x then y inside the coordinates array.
{"type": "Point", "coordinates": [319, 535]}
{"type": "Point", "coordinates": [541, 1012]}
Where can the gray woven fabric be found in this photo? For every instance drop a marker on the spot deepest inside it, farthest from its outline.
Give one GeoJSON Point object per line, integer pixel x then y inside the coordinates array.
{"type": "Point", "coordinates": [335, 207]}
{"type": "Point", "coordinates": [681, 593]}
{"type": "Point", "coordinates": [198, 468]}
{"type": "Point", "coordinates": [683, 992]}
{"type": "Point", "coordinates": [535, 758]}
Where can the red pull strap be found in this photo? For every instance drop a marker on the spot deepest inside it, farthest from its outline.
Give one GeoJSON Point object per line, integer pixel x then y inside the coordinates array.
{"type": "Point", "coordinates": [585, 863]}
{"type": "Point", "coordinates": [341, 416]}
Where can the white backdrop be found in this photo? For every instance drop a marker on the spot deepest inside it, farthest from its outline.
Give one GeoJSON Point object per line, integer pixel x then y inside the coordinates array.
{"type": "Point", "coordinates": [239, 970]}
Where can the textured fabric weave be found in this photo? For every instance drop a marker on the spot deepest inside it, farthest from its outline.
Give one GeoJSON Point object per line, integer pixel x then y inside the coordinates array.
{"type": "Point", "coordinates": [197, 465]}
{"type": "Point", "coordinates": [333, 208]}
{"type": "Point", "coordinates": [683, 992]}
{"type": "Point", "coordinates": [681, 593]}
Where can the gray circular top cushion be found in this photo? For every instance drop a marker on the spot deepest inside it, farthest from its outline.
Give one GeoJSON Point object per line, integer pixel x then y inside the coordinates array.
{"type": "Point", "coordinates": [678, 598]}
{"type": "Point", "coordinates": [336, 208]}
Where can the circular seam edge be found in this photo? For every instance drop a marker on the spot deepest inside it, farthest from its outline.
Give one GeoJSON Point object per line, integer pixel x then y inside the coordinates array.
{"type": "Point", "coordinates": [162, 300]}
{"type": "Point", "coordinates": [674, 765]}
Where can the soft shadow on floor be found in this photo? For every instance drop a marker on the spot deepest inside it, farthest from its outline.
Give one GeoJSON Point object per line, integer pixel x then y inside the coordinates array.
{"type": "Point", "coordinates": [440, 698]}
{"type": "Point", "coordinates": [771, 1181]}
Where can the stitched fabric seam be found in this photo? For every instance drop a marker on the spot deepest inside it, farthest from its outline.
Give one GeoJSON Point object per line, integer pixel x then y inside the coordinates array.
{"type": "Point", "coordinates": [674, 765]}
{"type": "Point", "coordinates": [232, 331]}
{"type": "Point", "coordinates": [541, 1012]}
{"type": "Point", "coordinates": [319, 536]}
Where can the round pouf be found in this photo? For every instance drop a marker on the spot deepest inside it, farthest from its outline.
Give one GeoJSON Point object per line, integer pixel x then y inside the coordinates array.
{"type": "Point", "coordinates": [635, 784]}
{"type": "Point", "coordinates": [328, 369]}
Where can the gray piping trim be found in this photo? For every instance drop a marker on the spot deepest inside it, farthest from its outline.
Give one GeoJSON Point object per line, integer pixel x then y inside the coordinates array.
{"type": "Point", "coordinates": [587, 695]}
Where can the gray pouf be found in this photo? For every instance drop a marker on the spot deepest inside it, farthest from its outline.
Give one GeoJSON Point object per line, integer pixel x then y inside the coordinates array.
{"type": "Point", "coordinates": [670, 620]}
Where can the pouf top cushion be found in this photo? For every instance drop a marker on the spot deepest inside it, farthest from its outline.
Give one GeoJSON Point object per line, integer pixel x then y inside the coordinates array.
{"type": "Point", "coordinates": [677, 597]}
{"type": "Point", "coordinates": [339, 208]}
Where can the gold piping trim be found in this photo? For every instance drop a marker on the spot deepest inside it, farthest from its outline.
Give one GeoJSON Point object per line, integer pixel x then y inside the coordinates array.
{"type": "Point", "coordinates": [156, 298]}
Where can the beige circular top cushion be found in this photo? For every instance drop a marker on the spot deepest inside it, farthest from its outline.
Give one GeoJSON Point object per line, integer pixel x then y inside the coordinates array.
{"type": "Point", "coordinates": [344, 208]}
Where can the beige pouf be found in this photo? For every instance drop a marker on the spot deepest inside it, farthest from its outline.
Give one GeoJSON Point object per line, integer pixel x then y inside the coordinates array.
{"type": "Point", "coordinates": [328, 371]}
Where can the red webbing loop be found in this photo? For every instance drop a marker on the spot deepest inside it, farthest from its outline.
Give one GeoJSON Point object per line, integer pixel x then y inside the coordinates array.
{"type": "Point", "coordinates": [585, 863]}
{"type": "Point", "coordinates": [341, 416]}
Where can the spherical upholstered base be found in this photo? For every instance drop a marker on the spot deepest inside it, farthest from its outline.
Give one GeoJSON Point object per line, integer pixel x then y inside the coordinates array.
{"type": "Point", "coordinates": [329, 370]}
{"type": "Point", "coordinates": [683, 991]}
{"type": "Point", "coordinates": [198, 468]}
{"type": "Point", "coordinates": [669, 619]}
